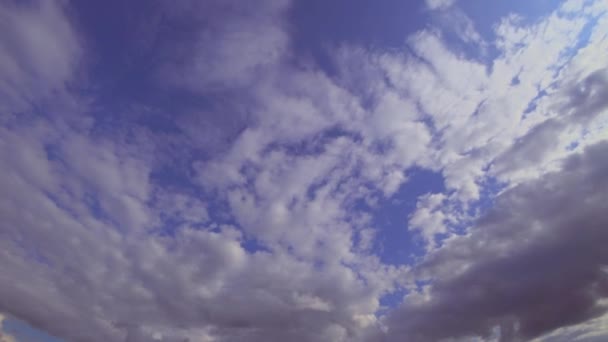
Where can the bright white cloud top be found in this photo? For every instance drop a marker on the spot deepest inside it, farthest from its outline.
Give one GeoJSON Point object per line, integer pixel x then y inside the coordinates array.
{"type": "Point", "coordinates": [226, 186]}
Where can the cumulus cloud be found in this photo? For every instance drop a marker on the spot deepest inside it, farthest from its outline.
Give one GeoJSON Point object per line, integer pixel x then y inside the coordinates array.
{"type": "Point", "coordinates": [113, 229]}
{"type": "Point", "coordinates": [87, 273]}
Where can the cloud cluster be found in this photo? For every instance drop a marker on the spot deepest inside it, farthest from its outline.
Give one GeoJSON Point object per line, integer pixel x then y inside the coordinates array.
{"type": "Point", "coordinates": [248, 216]}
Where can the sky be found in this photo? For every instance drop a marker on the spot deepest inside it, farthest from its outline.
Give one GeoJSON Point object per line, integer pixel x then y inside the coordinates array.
{"type": "Point", "coordinates": [292, 170]}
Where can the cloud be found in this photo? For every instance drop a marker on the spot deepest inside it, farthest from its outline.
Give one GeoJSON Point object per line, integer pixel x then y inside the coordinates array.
{"type": "Point", "coordinates": [87, 272]}
{"type": "Point", "coordinates": [581, 102]}
{"type": "Point", "coordinates": [114, 229]}
{"type": "Point", "coordinates": [89, 252]}
{"type": "Point", "coordinates": [508, 103]}
{"type": "Point", "coordinates": [439, 4]}
{"type": "Point", "coordinates": [40, 52]}
{"type": "Point", "coordinates": [429, 218]}
{"type": "Point", "coordinates": [535, 262]}
{"type": "Point", "coordinates": [594, 330]}
{"type": "Point", "coordinates": [215, 58]}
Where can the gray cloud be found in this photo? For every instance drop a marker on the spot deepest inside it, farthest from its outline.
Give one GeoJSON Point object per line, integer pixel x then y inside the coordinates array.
{"type": "Point", "coordinates": [587, 98]}
{"type": "Point", "coordinates": [536, 262]}
{"type": "Point", "coordinates": [579, 101]}
{"type": "Point", "coordinates": [39, 52]}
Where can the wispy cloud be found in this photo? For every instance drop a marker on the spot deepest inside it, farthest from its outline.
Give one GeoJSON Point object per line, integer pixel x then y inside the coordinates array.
{"type": "Point", "coordinates": [40, 52]}
{"type": "Point", "coordinates": [439, 4]}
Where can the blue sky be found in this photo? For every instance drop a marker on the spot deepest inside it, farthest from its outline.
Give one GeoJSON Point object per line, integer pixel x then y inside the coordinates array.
{"type": "Point", "coordinates": [288, 170]}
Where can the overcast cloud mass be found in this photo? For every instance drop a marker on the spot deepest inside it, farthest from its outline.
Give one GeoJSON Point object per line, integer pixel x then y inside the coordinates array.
{"type": "Point", "coordinates": [282, 170]}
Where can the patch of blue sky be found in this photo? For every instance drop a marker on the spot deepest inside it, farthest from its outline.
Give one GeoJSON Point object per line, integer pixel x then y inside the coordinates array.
{"type": "Point", "coordinates": [390, 301]}
{"type": "Point", "coordinates": [491, 187]}
{"type": "Point", "coordinates": [572, 146]}
{"type": "Point", "coordinates": [584, 36]}
{"type": "Point", "coordinates": [486, 15]}
{"type": "Point", "coordinates": [132, 40]}
{"type": "Point", "coordinates": [318, 26]}
{"type": "Point", "coordinates": [581, 42]}
{"type": "Point", "coordinates": [395, 298]}
{"type": "Point", "coordinates": [179, 179]}
{"type": "Point", "coordinates": [124, 46]}
{"type": "Point", "coordinates": [252, 245]}
{"type": "Point", "coordinates": [533, 104]}
{"type": "Point", "coordinates": [395, 244]}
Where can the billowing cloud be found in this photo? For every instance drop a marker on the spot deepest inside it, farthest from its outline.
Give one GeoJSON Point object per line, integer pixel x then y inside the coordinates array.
{"type": "Point", "coordinates": [220, 185]}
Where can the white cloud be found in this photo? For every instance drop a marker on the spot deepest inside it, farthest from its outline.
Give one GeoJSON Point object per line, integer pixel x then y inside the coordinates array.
{"type": "Point", "coordinates": [481, 115]}
{"type": "Point", "coordinates": [439, 4]}
{"type": "Point", "coordinates": [429, 218]}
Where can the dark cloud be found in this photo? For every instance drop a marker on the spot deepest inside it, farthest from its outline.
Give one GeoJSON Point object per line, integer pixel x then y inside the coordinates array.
{"type": "Point", "coordinates": [587, 98]}
{"type": "Point", "coordinates": [536, 262]}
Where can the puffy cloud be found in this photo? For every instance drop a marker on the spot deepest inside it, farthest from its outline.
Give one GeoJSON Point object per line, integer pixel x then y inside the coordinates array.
{"type": "Point", "coordinates": [429, 218]}
{"type": "Point", "coordinates": [84, 273]}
